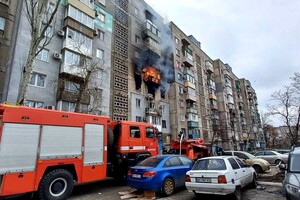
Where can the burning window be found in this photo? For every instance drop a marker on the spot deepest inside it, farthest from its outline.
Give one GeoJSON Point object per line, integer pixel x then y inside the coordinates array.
{"type": "Point", "coordinates": [151, 74]}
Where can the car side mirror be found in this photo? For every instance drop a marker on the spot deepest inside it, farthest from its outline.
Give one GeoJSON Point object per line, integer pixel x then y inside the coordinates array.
{"type": "Point", "coordinates": [282, 167]}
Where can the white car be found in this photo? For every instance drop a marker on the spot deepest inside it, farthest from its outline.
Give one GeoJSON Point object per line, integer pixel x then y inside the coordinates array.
{"type": "Point", "coordinates": [221, 175]}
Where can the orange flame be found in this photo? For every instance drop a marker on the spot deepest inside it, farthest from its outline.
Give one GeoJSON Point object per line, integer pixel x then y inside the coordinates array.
{"type": "Point", "coordinates": [151, 74]}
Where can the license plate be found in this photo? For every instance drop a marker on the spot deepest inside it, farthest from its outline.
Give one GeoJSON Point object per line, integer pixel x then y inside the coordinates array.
{"type": "Point", "coordinates": [136, 176]}
{"type": "Point", "coordinates": [203, 180]}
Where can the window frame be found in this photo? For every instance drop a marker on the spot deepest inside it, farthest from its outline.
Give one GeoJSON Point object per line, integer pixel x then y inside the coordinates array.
{"type": "Point", "coordinates": [36, 76]}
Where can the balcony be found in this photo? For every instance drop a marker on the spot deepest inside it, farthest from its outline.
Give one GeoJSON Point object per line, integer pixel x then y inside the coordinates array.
{"type": "Point", "coordinates": [189, 84]}
{"type": "Point", "coordinates": [89, 10]}
{"type": "Point", "coordinates": [152, 111]}
{"type": "Point", "coordinates": [193, 124]}
{"type": "Point", "coordinates": [152, 46]}
{"type": "Point", "coordinates": [191, 97]}
{"type": "Point", "coordinates": [150, 30]}
{"type": "Point", "coordinates": [72, 70]}
{"type": "Point", "coordinates": [212, 96]}
{"type": "Point", "coordinates": [209, 67]}
{"type": "Point", "coordinates": [192, 110]}
{"type": "Point", "coordinates": [213, 106]}
{"type": "Point", "coordinates": [187, 61]}
{"type": "Point", "coordinates": [72, 97]}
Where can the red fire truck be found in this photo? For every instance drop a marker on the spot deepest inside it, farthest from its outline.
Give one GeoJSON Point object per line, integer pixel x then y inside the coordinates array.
{"type": "Point", "coordinates": [49, 151]}
{"type": "Point", "coordinates": [192, 148]}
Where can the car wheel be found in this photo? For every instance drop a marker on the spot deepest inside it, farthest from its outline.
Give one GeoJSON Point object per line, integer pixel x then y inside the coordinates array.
{"type": "Point", "coordinates": [56, 184]}
{"type": "Point", "coordinates": [257, 168]}
{"type": "Point", "coordinates": [168, 187]}
{"type": "Point", "coordinates": [237, 195]}
{"type": "Point", "coordinates": [254, 181]}
{"type": "Point", "coordinates": [287, 197]}
{"type": "Point", "coordinates": [277, 162]}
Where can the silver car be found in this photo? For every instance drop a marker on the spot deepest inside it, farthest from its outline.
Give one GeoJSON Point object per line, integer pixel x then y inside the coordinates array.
{"type": "Point", "coordinates": [291, 182]}
{"type": "Point", "coordinates": [273, 157]}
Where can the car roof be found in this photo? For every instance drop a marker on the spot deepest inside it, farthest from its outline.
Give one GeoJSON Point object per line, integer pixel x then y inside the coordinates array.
{"type": "Point", "coordinates": [296, 150]}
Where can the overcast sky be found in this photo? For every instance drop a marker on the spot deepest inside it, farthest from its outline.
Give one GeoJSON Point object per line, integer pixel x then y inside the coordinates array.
{"type": "Point", "coordinates": [259, 39]}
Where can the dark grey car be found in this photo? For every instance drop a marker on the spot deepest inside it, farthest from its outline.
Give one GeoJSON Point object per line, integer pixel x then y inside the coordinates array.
{"type": "Point", "coordinates": [291, 182]}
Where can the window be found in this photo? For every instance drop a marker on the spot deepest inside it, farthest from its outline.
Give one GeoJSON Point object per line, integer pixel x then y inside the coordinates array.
{"type": "Point", "coordinates": [242, 165]}
{"type": "Point", "coordinates": [101, 34]}
{"type": "Point", "coordinates": [137, 39]}
{"type": "Point", "coordinates": [176, 40]}
{"type": "Point", "coordinates": [149, 132]}
{"type": "Point", "coordinates": [71, 58]}
{"type": "Point", "coordinates": [172, 162]}
{"type": "Point", "coordinates": [50, 8]}
{"type": "Point", "coordinates": [138, 118]}
{"type": "Point", "coordinates": [269, 153]}
{"type": "Point", "coordinates": [100, 54]}
{"type": "Point", "coordinates": [138, 103]}
{"type": "Point", "coordinates": [210, 164]}
{"type": "Point", "coordinates": [241, 155]}
{"type": "Point", "coordinates": [233, 163]}
{"type": "Point", "coordinates": [180, 77]}
{"type": "Point", "coordinates": [80, 16]}
{"type": "Point", "coordinates": [136, 54]}
{"type": "Point", "coordinates": [177, 52]}
{"type": "Point", "coordinates": [177, 64]}
{"type": "Point", "coordinates": [72, 87]}
{"type": "Point", "coordinates": [43, 55]}
{"type": "Point", "coordinates": [136, 11]}
{"type": "Point", "coordinates": [68, 106]}
{"type": "Point", "coordinates": [49, 31]}
{"type": "Point", "coordinates": [37, 79]}
{"type": "Point", "coordinates": [101, 17]}
{"type": "Point", "coordinates": [2, 23]}
{"type": "Point", "coordinates": [34, 104]}
{"type": "Point", "coordinates": [135, 132]}
{"type": "Point", "coordinates": [186, 161]}
{"type": "Point", "coordinates": [103, 2]}
{"type": "Point", "coordinates": [181, 103]}
{"type": "Point", "coordinates": [182, 117]}
{"type": "Point", "coordinates": [180, 90]}
{"type": "Point", "coordinates": [164, 124]}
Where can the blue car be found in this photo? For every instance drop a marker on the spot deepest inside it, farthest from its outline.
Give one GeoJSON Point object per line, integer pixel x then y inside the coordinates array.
{"type": "Point", "coordinates": [161, 173]}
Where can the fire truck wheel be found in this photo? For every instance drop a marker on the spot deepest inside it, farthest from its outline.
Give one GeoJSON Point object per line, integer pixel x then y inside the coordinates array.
{"type": "Point", "coordinates": [168, 187]}
{"type": "Point", "coordinates": [56, 184]}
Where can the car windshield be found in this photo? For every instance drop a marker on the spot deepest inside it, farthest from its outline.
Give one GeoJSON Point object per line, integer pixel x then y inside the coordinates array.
{"type": "Point", "coordinates": [295, 163]}
{"type": "Point", "coordinates": [150, 162]}
{"type": "Point", "coordinates": [210, 164]}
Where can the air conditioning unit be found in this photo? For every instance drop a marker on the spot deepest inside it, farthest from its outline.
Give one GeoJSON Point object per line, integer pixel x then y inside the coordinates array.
{"type": "Point", "coordinates": [95, 32]}
{"type": "Point", "coordinates": [185, 90]}
{"type": "Point", "coordinates": [57, 55]}
{"type": "Point", "coordinates": [50, 107]}
{"type": "Point", "coordinates": [61, 33]}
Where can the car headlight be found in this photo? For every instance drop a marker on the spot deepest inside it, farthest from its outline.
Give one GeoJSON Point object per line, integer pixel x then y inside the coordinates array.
{"type": "Point", "coordinates": [292, 189]}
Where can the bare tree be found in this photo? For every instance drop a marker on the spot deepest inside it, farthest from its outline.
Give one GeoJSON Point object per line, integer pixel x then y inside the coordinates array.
{"type": "Point", "coordinates": [40, 15]}
{"type": "Point", "coordinates": [288, 107]}
{"type": "Point", "coordinates": [266, 126]}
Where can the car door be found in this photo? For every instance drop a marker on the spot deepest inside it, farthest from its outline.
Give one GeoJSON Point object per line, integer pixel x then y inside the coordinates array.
{"type": "Point", "coordinates": [150, 140]}
{"type": "Point", "coordinates": [270, 156]}
{"type": "Point", "coordinates": [176, 170]}
{"type": "Point", "coordinates": [236, 170]}
{"type": "Point", "coordinates": [246, 172]}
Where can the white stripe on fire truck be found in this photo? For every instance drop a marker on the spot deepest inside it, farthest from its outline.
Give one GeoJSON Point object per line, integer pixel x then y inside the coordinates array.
{"type": "Point", "coordinates": [132, 148]}
{"type": "Point", "coordinates": [105, 148]}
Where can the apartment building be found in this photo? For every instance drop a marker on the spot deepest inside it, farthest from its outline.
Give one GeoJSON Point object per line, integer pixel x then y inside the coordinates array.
{"type": "Point", "coordinates": [9, 21]}
{"type": "Point", "coordinates": [132, 65]}
{"type": "Point", "coordinates": [250, 117]}
{"type": "Point", "coordinates": [80, 47]}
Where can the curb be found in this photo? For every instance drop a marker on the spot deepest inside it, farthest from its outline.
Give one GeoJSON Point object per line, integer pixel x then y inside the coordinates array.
{"type": "Point", "coordinates": [270, 183]}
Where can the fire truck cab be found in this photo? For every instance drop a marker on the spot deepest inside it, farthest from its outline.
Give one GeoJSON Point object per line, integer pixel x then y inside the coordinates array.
{"type": "Point", "coordinates": [48, 150]}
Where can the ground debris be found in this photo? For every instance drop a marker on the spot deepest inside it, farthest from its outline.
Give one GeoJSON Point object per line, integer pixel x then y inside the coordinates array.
{"type": "Point", "coordinates": [137, 195]}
